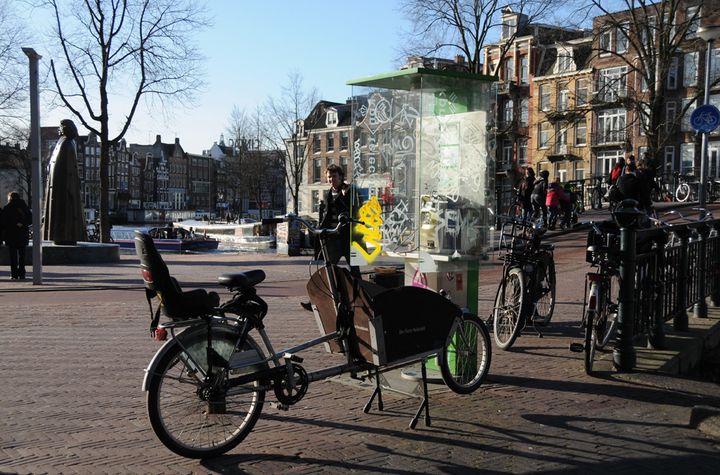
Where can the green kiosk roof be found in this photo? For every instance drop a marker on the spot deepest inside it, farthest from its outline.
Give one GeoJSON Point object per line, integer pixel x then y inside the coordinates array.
{"type": "Point", "coordinates": [407, 79]}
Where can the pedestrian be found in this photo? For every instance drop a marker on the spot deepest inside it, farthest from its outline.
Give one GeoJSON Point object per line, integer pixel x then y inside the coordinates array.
{"type": "Point", "coordinates": [15, 220]}
{"type": "Point", "coordinates": [633, 187]}
{"type": "Point", "coordinates": [630, 159]}
{"type": "Point", "coordinates": [538, 196]}
{"type": "Point", "coordinates": [339, 200]}
{"type": "Point", "coordinates": [554, 200]}
{"type": "Point", "coordinates": [616, 171]}
{"type": "Point", "coordinates": [526, 188]}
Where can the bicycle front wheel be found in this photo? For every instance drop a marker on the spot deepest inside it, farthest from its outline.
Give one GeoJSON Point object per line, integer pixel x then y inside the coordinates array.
{"type": "Point", "coordinates": [683, 192]}
{"type": "Point", "coordinates": [198, 417]}
{"type": "Point", "coordinates": [545, 290]}
{"type": "Point", "coordinates": [596, 199]}
{"type": "Point", "coordinates": [508, 310]}
{"type": "Point", "coordinates": [465, 359]}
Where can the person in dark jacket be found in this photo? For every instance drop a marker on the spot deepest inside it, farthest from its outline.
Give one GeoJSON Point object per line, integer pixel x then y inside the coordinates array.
{"type": "Point", "coordinates": [15, 220]}
{"type": "Point", "coordinates": [526, 186]}
{"type": "Point", "coordinates": [632, 186]}
{"type": "Point", "coordinates": [538, 196]}
{"type": "Point", "coordinates": [338, 200]}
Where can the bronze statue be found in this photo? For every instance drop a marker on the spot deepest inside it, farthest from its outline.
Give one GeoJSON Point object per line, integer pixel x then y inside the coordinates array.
{"type": "Point", "coordinates": [64, 221]}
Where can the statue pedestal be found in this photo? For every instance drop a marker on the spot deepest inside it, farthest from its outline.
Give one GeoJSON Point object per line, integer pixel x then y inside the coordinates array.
{"type": "Point", "coordinates": [80, 253]}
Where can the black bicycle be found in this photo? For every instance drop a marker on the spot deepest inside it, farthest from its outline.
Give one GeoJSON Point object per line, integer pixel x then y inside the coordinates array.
{"type": "Point", "coordinates": [526, 293]}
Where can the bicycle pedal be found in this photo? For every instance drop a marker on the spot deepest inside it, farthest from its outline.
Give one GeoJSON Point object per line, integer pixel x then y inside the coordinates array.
{"type": "Point", "coordinates": [279, 406]}
{"type": "Point", "coordinates": [293, 358]}
{"type": "Point", "coordinates": [577, 347]}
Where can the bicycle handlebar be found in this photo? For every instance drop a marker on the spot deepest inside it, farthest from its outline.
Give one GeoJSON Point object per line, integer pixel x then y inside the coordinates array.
{"type": "Point", "coordinates": [343, 220]}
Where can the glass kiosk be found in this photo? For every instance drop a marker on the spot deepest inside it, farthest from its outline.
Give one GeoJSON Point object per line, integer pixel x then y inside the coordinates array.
{"type": "Point", "coordinates": [423, 167]}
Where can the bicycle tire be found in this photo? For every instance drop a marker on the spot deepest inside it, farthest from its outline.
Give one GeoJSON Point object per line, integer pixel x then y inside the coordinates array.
{"type": "Point", "coordinates": [184, 417]}
{"type": "Point", "coordinates": [545, 290]}
{"type": "Point", "coordinates": [596, 200]}
{"type": "Point", "coordinates": [609, 312]}
{"type": "Point", "coordinates": [682, 193]}
{"type": "Point", "coordinates": [467, 349]}
{"type": "Point", "coordinates": [508, 311]}
{"type": "Point", "coordinates": [590, 339]}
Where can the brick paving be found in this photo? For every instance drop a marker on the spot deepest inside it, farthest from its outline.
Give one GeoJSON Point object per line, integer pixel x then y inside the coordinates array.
{"type": "Point", "coordinates": [73, 362]}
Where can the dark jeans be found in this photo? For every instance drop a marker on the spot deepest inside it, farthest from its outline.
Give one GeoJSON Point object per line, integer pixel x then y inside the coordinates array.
{"type": "Point", "coordinates": [17, 262]}
{"type": "Point", "coordinates": [337, 248]}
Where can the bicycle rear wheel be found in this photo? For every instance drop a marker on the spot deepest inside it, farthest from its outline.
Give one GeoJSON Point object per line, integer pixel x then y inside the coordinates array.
{"type": "Point", "coordinates": [545, 290]}
{"type": "Point", "coordinates": [508, 310]}
{"type": "Point", "coordinates": [596, 199]}
{"type": "Point", "coordinates": [590, 340]}
{"type": "Point", "coordinates": [465, 359]}
{"type": "Point", "coordinates": [198, 417]}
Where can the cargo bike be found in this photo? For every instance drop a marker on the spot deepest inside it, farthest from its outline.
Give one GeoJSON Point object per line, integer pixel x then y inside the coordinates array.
{"type": "Point", "coordinates": [206, 385]}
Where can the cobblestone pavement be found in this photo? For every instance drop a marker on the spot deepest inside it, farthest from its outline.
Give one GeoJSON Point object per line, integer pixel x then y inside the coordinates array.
{"type": "Point", "coordinates": [73, 362]}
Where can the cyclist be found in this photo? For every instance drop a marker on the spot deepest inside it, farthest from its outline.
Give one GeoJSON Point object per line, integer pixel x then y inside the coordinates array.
{"type": "Point", "coordinates": [526, 188]}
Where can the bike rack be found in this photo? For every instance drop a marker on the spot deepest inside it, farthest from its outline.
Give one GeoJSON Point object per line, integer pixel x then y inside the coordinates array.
{"type": "Point", "coordinates": [424, 404]}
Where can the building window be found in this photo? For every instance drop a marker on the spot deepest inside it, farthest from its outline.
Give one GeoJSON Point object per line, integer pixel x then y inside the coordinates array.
{"type": "Point", "coordinates": [606, 42]}
{"type": "Point", "coordinates": [690, 69]}
{"type": "Point", "coordinates": [580, 133]}
{"type": "Point", "coordinates": [564, 63]}
{"type": "Point", "coordinates": [524, 111]}
{"type": "Point", "coordinates": [715, 65]}
{"type": "Point", "coordinates": [522, 151]}
{"type": "Point", "coordinates": [611, 126]}
{"type": "Point", "coordinates": [647, 30]}
{"type": "Point", "coordinates": [685, 124]}
{"type": "Point", "coordinates": [563, 96]}
{"type": "Point", "coordinates": [644, 112]}
{"type": "Point", "coordinates": [692, 15]}
{"type": "Point", "coordinates": [331, 118]}
{"type": "Point", "coordinates": [344, 165]}
{"type": "Point", "coordinates": [544, 97]}
{"type": "Point", "coordinates": [344, 140]}
{"type": "Point", "coordinates": [672, 74]}
{"type": "Point", "coordinates": [544, 134]}
{"type": "Point", "coordinates": [330, 141]}
{"type": "Point", "coordinates": [622, 37]}
{"type": "Point", "coordinates": [509, 26]}
{"type": "Point", "coordinates": [317, 169]}
{"type": "Point", "coordinates": [507, 152]}
{"type": "Point", "coordinates": [509, 69]}
{"type": "Point", "coordinates": [507, 112]}
{"type": "Point", "coordinates": [581, 92]}
{"type": "Point", "coordinates": [669, 163]}
{"type": "Point", "coordinates": [316, 143]}
{"type": "Point", "coordinates": [605, 161]}
{"type": "Point", "coordinates": [670, 116]}
{"type": "Point", "coordinates": [687, 158]}
{"type": "Point", "coordinates": [315, 201]}
{"type": "Point", "coordinates": [524, 70]}
{"type": "Point", "coordinates": [560, 139]}
{"type": "Point", "coordinates": [612, 83]}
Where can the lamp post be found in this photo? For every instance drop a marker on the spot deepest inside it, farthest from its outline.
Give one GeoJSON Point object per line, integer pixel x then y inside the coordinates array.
{"type": "Point", "coordinates": [35, 170]}
{"type": "Point", "coordinates": [707, 34]}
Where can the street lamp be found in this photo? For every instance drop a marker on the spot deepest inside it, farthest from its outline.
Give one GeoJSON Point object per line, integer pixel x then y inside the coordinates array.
{"type": "Point", "coordinates": [707, 34]}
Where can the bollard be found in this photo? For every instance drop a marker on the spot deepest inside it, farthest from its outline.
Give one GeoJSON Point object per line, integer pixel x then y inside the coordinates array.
{"type": "Point", "coordinates": [680, 319]}
{"type": "Point", "coordinates": [626, 217]}
{"type": "Point", "coordinates": [656, 334]}
{"type": "Point", "coordinates": [700, 309]}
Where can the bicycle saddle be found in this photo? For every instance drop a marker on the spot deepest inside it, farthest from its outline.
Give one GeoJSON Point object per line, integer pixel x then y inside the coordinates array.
{"type": "Point", "coordinates": [242, 280]}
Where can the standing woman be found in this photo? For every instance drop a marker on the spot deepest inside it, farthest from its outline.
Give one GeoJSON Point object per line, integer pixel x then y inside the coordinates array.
{"type": "Point", "coordinates": [15, 220]}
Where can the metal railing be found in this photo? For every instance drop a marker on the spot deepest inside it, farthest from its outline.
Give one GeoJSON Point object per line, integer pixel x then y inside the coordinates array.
{"type": "Point", "coordinates": [663, 272]}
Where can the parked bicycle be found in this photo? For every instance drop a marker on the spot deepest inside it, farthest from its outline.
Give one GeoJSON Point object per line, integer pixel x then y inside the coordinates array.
{"type": "Point", "coordinates": [206, 385]}
{"type": "Point", "coordinates": [602, 289]}
{"type": "Point", "coordinates": [596, 192]}
{"type": "Point", "coordinates": [526, 293]}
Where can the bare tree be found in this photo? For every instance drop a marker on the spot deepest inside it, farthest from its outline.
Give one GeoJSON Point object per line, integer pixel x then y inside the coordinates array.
{"type": "Point", "coordinates": [13, 64]}
{"type": "Point", "coordinates": [649, 39]}
{"type": "Point", "coordinates": [284, 114]}
{"type": "Point", "coordinates": [123, 48]}
{"type": "Point", "coordinates": [464, 26]}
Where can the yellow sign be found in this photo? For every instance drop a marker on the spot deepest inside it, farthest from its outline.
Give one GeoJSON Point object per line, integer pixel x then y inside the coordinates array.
{"type": "Point", "coordinates": [370, 213]}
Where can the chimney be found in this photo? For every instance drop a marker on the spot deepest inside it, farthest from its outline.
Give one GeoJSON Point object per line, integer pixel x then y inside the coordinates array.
{"type": "Point", "coordinates": [177, 141]}
{"type": "Point", "coordinates": [157, 138]}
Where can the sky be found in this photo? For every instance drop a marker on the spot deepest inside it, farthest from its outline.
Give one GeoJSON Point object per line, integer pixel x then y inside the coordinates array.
{"type": "Point", "coordinates": [253, 46]}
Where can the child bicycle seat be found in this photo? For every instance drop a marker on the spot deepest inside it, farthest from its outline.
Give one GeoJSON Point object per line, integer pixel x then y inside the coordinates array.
{"type": "Point", "coordinates": [175, 303]}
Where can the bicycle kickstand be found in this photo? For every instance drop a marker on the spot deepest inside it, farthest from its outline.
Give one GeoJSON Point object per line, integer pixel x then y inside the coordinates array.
{"type": "Point", "coordinates": [539, 333]}
{"type": "Point", "coordinates": [377, 392]}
